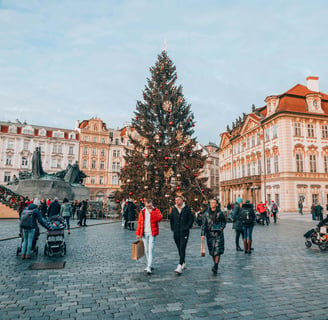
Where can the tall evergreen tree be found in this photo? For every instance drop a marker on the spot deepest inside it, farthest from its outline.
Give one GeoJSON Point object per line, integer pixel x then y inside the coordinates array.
{"type": "Point", "coordinates": [164, 159]}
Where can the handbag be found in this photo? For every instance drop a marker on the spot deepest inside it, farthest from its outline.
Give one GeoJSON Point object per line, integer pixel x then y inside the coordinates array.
{"type": "Point", "coordinates": [202, 248]}
{"type": "Point", "coordinates": [138, 250]}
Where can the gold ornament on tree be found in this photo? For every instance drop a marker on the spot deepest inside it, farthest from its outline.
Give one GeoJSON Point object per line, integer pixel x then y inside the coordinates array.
{"type": "Point", "coordinates": [167, 105]}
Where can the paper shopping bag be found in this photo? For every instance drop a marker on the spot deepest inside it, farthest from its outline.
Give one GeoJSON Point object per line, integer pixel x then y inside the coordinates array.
{"type": "Point", "coordinates": [202, 248]}
{"type": "Point", "coordinates": [138, 250]}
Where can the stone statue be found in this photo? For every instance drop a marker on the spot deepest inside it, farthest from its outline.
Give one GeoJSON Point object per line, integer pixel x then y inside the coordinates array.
{"type": "Point", "coordinates": [74, 174]}
{"type": "Point", "coordinates": [37, 171]}
{"type": "Point", "coordinates": [61, 174]}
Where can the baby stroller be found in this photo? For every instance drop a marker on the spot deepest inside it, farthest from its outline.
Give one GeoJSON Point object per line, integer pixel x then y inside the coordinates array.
{"type": "Point", "coordinates": [55, 243]}
{"type": "Point", "coordinates": [35, 248]}
{"type": "Point", "coordinates": [262, 218]}
{"type": "Point", "coordinates": [318, 236]}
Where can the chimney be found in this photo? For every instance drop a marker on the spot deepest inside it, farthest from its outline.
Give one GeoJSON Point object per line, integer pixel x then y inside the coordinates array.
{"type": "Point", "coordinates": [312, 83]}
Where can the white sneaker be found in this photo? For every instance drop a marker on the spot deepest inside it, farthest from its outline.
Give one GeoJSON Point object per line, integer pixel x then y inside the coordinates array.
{"type": "Point", "coordinates": [148, 270]}
{"type": "Point", "coordinates": [183, 267]}
{"type": "Point", "coordinates": [178, 269]}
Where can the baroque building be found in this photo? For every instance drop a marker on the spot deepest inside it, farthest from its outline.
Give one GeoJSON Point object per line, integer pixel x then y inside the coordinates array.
{"type": "Point", "coordinates": [279, 151]}
{"type": "Point", "coordinates": [59, 147]}
{"type": "Point", "coordinates": [211, 168]}
{"type": "Point", "coordinates": [101, 158]}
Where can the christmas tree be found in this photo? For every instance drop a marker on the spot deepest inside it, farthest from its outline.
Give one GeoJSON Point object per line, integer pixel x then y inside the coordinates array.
{"type": "Point", "coordinates": [164, 160]}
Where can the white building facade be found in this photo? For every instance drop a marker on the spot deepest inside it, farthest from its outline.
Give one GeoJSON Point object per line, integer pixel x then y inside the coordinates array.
{"type": "Point", "coordinates": [59, 147]}
{"type": "Point", "coordinates": [280, 151]}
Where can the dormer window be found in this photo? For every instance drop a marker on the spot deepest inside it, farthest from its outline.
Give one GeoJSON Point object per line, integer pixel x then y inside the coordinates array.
{"type": "Point", "coordinates": [313, 101]}
{"type": "Point", "coordinates": [42, 132]}
{"type": "Point", "coordinates": [58, 134]}
{"type": "Point", "coordinates": [272, 104]}
{"type": "Point", "coordinates": [28, 130]}
{"type": "Point", "coordinates": [12, 129]}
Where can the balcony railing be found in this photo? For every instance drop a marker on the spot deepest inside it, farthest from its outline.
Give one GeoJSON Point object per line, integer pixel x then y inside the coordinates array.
{"type": "Point", "coordinates": [248, 179]}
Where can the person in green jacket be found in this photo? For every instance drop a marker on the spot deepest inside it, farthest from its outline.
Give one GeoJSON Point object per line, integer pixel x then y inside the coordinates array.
{"type": "Point", "coordinates": [66, 213]}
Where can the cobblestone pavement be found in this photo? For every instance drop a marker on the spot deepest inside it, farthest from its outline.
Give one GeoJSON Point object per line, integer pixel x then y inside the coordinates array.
{"type": "Point", "coordinates": [280, 280]}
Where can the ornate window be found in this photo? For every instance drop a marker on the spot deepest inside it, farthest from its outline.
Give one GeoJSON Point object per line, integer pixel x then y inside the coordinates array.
{"type": "Point", "coordinates": [324, 132]}
{"type": "Point", "coordinates": [267, 134]}
{"type": "Point", "coordinates": [101, 180]}
{"type": "Point", "coordinates": [259, 166]}
{"type": "Point", "coordinates": [297, 129]}
{"type": "Point", "coordinates": [9, 160]}
{"type": "Point", "coordinates": [268, 162]}
{"type": "Point", "coordinates": [95, 139]}
{"type": "Point", "coordinates": [85, 150]}
{"type": "Point", "coordinates": [6, 177]}
{"type": "Point", "coordinates": [24, 162]}
{"type": "Point", "coordinates": [310, 130]}
{"type": "Point", "coordinates": [102, 153]}
{"type": "Point", "coordinates": [274, 131]}
{"type": "Point", "coordinates": [313, 163]}
{"type": "Point", "coordinates": [325, 163]}
{"type": "Point", "coordinates": [114, 179]}
{"type": "Point", "coordinates": [299, 162]}
{"type": "Point", "coordinates": [93, 164]}
{"type": "Point", "coordinates": [276, 166]}
{"type": "Point", "coordinates": [84, 164]}
{"type": "Point", "coordinates": [10, 144]}
{"type": "Point", "coordinates": [102, 165]}
{"type": "Point", "coordinates": [94, 151]}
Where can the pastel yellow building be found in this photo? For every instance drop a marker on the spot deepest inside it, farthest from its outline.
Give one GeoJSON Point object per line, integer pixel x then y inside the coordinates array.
{"type": "Point", "coordinates": [279, 151]}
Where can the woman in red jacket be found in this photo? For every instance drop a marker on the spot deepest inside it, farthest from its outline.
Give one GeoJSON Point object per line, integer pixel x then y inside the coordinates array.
{"type": "Point", "coordinates": [147, 229]}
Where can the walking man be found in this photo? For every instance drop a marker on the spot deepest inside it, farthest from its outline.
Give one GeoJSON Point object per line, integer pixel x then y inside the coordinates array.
{"type": "Point", "coordinates": [147, 229]}
{"type": "Point", "coordinates": [181, 221]}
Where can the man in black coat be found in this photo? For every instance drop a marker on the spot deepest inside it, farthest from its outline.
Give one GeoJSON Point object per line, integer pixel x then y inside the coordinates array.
{"type": "Point", "coordinates": [181, 221]}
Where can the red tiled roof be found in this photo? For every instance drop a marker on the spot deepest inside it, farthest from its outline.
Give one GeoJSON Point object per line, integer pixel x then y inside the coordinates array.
{"type": "Point", "coordinates": [294, 100]}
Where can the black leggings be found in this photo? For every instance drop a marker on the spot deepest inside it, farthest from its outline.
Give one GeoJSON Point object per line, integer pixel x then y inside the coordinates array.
{"type": "Point", "coordinates": [238, 234]}
{"type": "Point", "coordinates": [181, 242]}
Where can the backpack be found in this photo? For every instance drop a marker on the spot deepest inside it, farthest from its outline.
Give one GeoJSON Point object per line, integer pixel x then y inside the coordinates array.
{"type": "Point", "coordinates": [274, 208]}
{"type": "Point", "coordinates": [26, 221]}
{"type": "Point", "coordinates": [245, 217]}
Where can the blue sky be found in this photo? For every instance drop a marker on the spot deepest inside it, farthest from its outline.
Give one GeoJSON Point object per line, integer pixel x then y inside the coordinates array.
{"type": "Point", "coordinates": [68, 60]}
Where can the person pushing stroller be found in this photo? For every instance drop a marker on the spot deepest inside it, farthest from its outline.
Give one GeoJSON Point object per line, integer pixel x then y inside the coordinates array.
{"type": "Point", "coordinates": [28, 223]}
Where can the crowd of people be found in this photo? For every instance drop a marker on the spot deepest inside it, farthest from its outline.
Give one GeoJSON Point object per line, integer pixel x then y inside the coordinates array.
{"type": "Point", "coordinates": [213, 222]}
{"type": "Point", "coordinates": [43, 211]}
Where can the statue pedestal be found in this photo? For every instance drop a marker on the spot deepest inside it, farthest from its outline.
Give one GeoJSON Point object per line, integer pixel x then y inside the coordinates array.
{"type": "Point", "coordinates": [47, 188]}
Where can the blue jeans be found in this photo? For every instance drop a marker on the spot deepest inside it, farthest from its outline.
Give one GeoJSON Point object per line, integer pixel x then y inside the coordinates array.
{"type": "Point", "coordinates": [28, 235]}
{"type": "Point", "coordinates": [67, 222]}
{"type": "Point", "coordinates": [149, 244]}
{"type": "Point", "coordinates": [248, 231]}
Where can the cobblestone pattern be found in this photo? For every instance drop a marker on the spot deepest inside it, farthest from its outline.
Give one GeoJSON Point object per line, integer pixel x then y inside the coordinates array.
{"type": "Point", "coordinates": [280, 280]}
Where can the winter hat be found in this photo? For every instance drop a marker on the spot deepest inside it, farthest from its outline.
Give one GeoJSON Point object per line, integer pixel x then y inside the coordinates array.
{"type": "Point", "coordinates": [247, 201]}
{"type": "Point", "coordinates": [239, 200]}
{"type": "Point", "coordinates": [37, 202]}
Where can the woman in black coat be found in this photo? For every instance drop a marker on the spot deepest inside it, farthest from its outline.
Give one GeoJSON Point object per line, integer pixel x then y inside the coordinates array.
{"type": "Point", "coordinates": [213, 224]}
